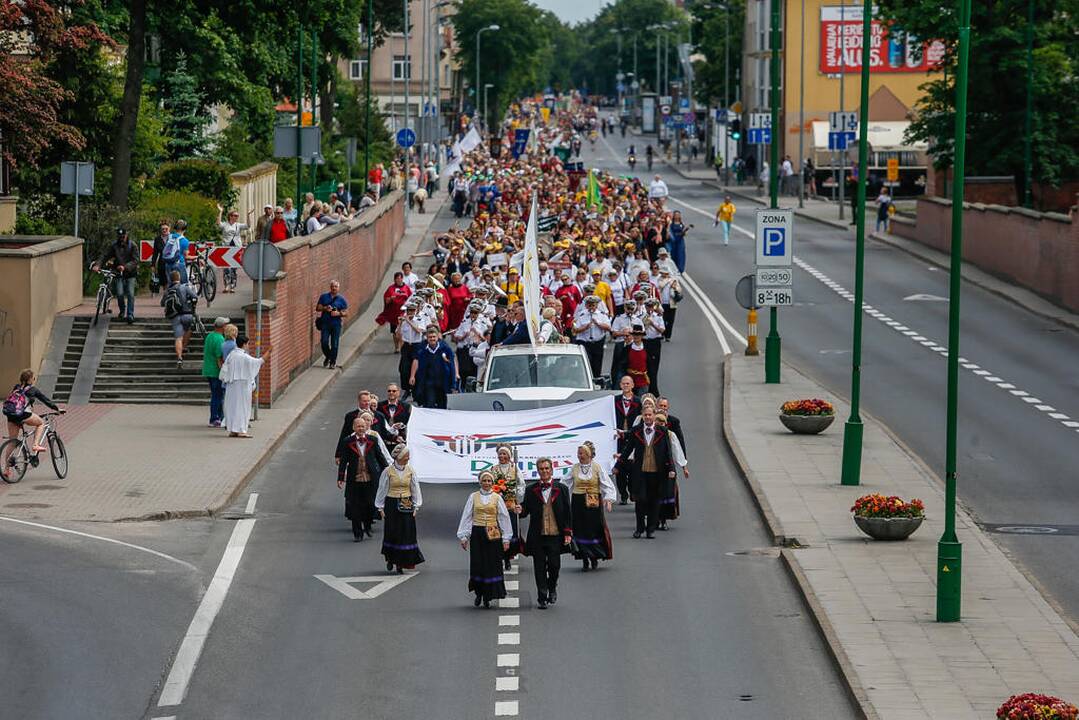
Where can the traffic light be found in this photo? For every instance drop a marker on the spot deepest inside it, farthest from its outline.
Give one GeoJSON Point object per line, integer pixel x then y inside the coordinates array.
{"type": "Point", "coordinates": [736, 129]}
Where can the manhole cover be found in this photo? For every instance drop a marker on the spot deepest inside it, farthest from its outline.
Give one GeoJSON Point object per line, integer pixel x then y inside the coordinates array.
{"type": "Point", "coordinates": [1033, 529]}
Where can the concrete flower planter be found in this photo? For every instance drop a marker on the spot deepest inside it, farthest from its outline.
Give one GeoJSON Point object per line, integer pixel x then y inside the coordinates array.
{"type": "Point", "coordinates": [806, 424]}
{"type": "Point", "coordinates": [888, 528]}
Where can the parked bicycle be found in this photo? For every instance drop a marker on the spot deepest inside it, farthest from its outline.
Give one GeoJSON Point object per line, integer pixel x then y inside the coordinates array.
{"type": "Point", "coordinates": [17, 455]}
{"type": "Point", "coordinates": [202, 276]}
{"type": "Point", "coordinates": [104, 293]}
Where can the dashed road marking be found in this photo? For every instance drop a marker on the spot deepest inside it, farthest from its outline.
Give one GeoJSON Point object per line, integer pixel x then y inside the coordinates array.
{"type": "Point", "coordinates": [509, 620]}
{"type": "Point", "coordinates": [506, 708]}
{"type": "Point", "coordinates": [507, 684]}
{"type": "Point", "coordinates": [512, 584]}
{"type": "Point", "coordinates": [509, 638]}
{"type": "Point", "coordinates": [508, 659]}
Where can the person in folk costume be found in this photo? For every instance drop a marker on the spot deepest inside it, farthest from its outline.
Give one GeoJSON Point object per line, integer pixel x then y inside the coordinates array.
{"type": "Point", "coordinates": [591, 492]}
{"type": "Point", "coordinates": [637, 359]}
{"type": "Point", "coordinates": [669, 507]}
{"type": "Point", "coordinates": [626, 411]}
{"type": "Point", "coordinates": [652, 470]}
{"type": "Point", "coordinates": [361, 464]}
{"type": "Point", "coordinates": [550, 530]}
{"type": "Point", "coordinates": [398, 500]}
{"type": "Point", "coordinates": [393, 302]}
{"type": "Point", "coordinates": [397, 413]}
{"type": "Point", "coordinates": [506, 475]}
{"type": "Point", "coordinates": [485, 532]}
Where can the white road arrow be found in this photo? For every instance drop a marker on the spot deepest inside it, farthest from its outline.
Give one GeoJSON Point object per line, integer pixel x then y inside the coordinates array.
{"type": "Point", "coordinates": [925, 298]}
{"type": "Point", "coordinates": [383, 583]}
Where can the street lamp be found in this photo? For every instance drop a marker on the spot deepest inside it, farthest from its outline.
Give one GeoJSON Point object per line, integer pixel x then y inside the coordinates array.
{"type": "Point", "coordinates": [486, 87]}
{"type": "Point", "coordinates": [478, 33]}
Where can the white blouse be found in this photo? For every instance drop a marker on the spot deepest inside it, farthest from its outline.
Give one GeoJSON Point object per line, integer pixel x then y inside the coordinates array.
{"type": "Point", "coordinates": [606, 487]}
{"type": "Point", "coordinates": [384, 487]}
{"type": "Point", "coordinates": [464, 529]}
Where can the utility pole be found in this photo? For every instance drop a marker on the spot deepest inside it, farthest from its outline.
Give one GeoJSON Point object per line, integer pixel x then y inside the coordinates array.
{"type": "Point", "coordinates": [314, 105]}
{"type": "Point", "coordinates": [408, 79]}
{"type": "Point", "coordinates": [726, 88]}
{"type": "Point", "coordinates": [299, 123]}
{"type": "Point", "coordinates": [1028, 120]}
{"type": "Point", "coordinates": [802, 112]}
{"type": "Point", "coordinates": [367, 111]}
{"type": "Point", "coordinates": [851, 471]}
{"type": "Point", "coordinates": [841, 178]}
{"type": "Point", "coordinates": [949, 549]}
{"type": "Point", "coordinates": [772, 343]}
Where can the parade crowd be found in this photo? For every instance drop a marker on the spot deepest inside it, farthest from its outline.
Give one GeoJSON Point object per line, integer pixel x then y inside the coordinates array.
{"type": "Point", "coordinates": [610, 257]}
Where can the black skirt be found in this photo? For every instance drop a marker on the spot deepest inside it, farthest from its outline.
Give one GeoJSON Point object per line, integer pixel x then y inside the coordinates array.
{"type": "Point", "coordinates": [515, 541]}
{"type": "Point", "coordinates": [399, 544]}
{"type": "Point", "coordinates": [485, 566]}
{"type": "Point", "coordinates": [360, 501]}
{"type": "Point", "coordinates": [668, 504]}
{"type": "Point", "coordinates": [590, 533]}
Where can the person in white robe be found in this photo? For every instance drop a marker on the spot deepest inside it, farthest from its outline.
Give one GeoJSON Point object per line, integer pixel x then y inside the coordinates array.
{"type": "Point", "coordinates": [238, 374]}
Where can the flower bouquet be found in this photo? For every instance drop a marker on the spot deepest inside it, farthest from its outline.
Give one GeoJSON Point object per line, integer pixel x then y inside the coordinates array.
{"type": "Point", "coordinates": [887, 518]}
{"type": "Point", "coordinates": [806, 417]}
{"type": "Point", "coordinates": [1032, 706]}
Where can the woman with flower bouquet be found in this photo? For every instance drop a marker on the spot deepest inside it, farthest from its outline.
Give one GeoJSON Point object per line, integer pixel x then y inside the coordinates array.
{"type": "Point", "coordinates": [509, 486]}
{"type": "Point", "coordinates": [591, 493]}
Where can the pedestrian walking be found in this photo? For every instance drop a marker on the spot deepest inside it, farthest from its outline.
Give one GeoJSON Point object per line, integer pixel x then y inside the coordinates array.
{"type": "Point", "coordinates": [654, 328]}
{"type": "Point", "coordinates": [651, 470]}
{"type": "Point", "coordinates": [884, 204]}
{"type": "Point", "coordinates": [590, 327]}
{"type": "Point", "coordinates": [393, 303]}
{"type": "Point", "coordinates": [332, 307]}
{"type": "Point", "coordinates": [725, 217]}
{"type": "Point", "coordinates": [670, 294]}
{"type": "Point", "coordinates": [360, 465]}
{"type": "Point", "coordinates": [239, 374]}
{"type": "Point", "coordinates": [485, 531]}
{"type": "Point", "coordinates": [230, 332]}
{"type": "Point", "coordinates": [626, 411]}
{"type": "Point", "coordinates": [123, 257]}
{"type": "Point", "coordinates": [398, 500]}
{"type": "Point", "coordinates": [212, 360]}
{"type": "Point", "coordinates": [592, 493]}
{"type": "Point", "coordinates": [676, 240]}
{"type": "Point", "coordinates": [434, 371]}
{"type": "Point", "coordinates": [509, 485]}
{"type": "Point", "coordinates": [669, 506]}
{"type": "Point", "coordinates": [179, 304]}
{"type": "Point", "coordinates": [550, 530]}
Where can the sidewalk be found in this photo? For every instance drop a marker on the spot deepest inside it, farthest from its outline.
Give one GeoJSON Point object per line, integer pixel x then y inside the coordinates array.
{"type": "Point", "coordinates": [133, 462]}
{"type": "Point", "coordinates": [875, 601]}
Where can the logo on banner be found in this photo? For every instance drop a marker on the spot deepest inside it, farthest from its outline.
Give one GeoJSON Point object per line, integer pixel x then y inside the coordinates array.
{"type": "Point", "coordinates": [467, 445]}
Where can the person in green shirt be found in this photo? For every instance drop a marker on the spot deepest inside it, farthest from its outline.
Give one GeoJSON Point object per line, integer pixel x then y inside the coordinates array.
{"type": "Point", "coordinates": [211, 370]}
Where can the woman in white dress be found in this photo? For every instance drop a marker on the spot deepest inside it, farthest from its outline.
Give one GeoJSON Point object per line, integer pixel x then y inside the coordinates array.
{"type": "Point", "coordinates": [238, 373]}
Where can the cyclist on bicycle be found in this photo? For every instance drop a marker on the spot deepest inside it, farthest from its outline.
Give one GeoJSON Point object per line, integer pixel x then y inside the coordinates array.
{"type": "Point", "coordinates": [179, 303]}
{"type": "Point", "coordinates": [123, 257]}
{"type": "Point", "coordinates": [19, 410]}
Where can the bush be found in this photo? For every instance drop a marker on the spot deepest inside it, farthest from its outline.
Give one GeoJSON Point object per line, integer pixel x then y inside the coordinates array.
{"type": "Point", "coordinates": [199, 211]}
{"type": "Point", "coordinates": [205, 177]}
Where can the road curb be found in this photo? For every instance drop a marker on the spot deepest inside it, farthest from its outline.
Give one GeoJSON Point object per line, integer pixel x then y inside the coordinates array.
{"type": "Point", "coordinates": [855, 691]}
{"type": "Point", "coordinates": [984, 280]}
{"type": "Point", "coordinates": [301, 409]}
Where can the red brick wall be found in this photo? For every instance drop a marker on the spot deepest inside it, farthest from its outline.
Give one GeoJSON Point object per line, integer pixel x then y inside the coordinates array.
{"type": "Point", "coordinates": [1034, 250]}
{"type": "Point", "coordinates": [356, 254]}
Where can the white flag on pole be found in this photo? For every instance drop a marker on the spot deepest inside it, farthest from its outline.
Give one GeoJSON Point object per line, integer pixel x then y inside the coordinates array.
{"type": "Point", "coordinates": [530, 275]}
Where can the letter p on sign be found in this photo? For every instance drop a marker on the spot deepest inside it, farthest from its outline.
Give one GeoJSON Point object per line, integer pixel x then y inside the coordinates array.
{"type": "Point", "coordinates": [775, 237]}
{"type": "Point", "coordinates": [774, 242]}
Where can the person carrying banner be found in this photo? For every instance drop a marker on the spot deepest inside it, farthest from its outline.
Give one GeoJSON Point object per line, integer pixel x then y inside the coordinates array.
{"type": "Point", "coordinates": [550, 530]}
{"type": "Point", "coordinates": [484, 531]}
{"type": "Point", "coordinates": [591, 492]}
{"type": "Point", "coordinates": [398, 500]}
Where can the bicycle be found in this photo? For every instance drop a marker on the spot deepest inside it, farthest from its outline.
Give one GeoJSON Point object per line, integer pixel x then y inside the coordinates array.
{"type": "Point", "coordinates": [104, 294]}
{"type": "Point", "coordinates": [201, 275]}
{"type": "Point", "coordinates": [17, 454]}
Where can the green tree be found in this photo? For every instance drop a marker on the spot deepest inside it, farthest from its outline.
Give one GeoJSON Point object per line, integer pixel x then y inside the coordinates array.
{"type": "Point", "coordinates": [187, 118]}
{"type": "Point", "coordinates": [714, 81]}
{"type": "Point", "coordinates": [997, 85]}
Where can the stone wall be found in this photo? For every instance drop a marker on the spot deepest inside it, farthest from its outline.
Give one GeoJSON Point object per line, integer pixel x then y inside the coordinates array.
{"type": "Point", "coordinates": [41, 276]}
{"type": "Point", "coordinates": [1038, 251]}
{"type": "Point", "coordinates": [356, 254]}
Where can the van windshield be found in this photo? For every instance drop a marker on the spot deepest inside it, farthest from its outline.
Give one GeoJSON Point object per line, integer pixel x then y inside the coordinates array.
{"type": "Point", "coordinates": [523, 371]}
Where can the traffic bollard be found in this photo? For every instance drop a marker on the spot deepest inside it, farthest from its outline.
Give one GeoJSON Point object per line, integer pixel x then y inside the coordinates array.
{"type": "Point", "coordinates": [751, 335]}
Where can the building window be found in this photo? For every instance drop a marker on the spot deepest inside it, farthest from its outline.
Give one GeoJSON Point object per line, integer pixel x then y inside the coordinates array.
{"type": "Point", "coordinates": [356, 69]}
{"type": "Point", "coordinates": [402, 67]}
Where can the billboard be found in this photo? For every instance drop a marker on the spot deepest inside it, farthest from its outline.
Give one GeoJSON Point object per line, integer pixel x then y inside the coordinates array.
{"type": "Point", "coordinates": [841, 45]}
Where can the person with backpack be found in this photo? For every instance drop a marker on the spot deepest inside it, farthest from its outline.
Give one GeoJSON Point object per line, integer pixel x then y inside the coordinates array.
{"type": "Point", "coordinates": [179, 303]}
{"type": "Point", "coordinates": [123, 257]}
{"type": "Point", "coordinates": [174, 252]}
{"type": "Point", "coordinates": [19, 411]}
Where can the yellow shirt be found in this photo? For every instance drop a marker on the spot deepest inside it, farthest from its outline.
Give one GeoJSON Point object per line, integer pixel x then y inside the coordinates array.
{"type": "Point", "coordinates": [726, 212]}
{"type": "Point", "coordinates": [514, 290]}
{"type": "Point", "coordinates": [603, 291]}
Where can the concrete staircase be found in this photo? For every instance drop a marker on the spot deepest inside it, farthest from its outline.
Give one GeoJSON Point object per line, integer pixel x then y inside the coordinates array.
{"type": "Point", "coordinates": [69, 364]}
{"type": "Point", "coordinates": [138, 365]}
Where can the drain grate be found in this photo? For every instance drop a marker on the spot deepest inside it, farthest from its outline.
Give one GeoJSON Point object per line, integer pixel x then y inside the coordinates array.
{"type": "Point", "coordinates": [1015, 529]}
{"type": "Point", "coordinates": [771, 552]}
{"type": "Point", "coordinates": [745, 698]}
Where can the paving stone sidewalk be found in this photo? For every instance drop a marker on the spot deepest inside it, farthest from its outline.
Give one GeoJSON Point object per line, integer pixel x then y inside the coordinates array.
{"type": "Point", "coordinates": [159, 461]}
{"type": "Point", "coordinates": [875, 601]}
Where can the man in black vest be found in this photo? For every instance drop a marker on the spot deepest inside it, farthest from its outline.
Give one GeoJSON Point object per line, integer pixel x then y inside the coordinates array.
{"type": "Point", "coordinates": [652, 467]}
{"type": "Point", "coordinates": [361, 465]}
{"type": "Point", "coordinates": [549, 531]}
{"type": "Point", "coordinates": [626, 411]}
{"type": "Point", "coordinates": [396, 412]}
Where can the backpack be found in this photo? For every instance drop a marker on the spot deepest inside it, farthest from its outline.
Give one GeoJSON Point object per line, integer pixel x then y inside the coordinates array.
{"type": "Point", "coordinates": [16, 402]}
{"type": "Point", "coordinates": [172, 248]}
{"type": "Point", "coordinates": [175, 304]}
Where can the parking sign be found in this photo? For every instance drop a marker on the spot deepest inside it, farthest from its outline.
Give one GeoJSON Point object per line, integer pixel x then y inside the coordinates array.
{"type": "Point", "coordinates": [775, 237]}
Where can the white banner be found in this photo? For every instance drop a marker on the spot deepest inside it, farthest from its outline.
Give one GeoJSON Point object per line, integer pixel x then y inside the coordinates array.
{"type": "Point", "coordinates": [530, 276]}
{"type": "Point", "coordinates": [455, 446]}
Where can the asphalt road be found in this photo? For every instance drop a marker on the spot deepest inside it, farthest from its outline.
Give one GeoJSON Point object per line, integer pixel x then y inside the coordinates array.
{"type": "Point", "coordinates": [682, 626]}
{"type": "Point", "coordinates": [1016, 463]}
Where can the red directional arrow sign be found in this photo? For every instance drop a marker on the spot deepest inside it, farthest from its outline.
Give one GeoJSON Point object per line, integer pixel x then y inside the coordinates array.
{"type": "Point", "coordinates": [226, 257]}
{"type": "Point", "coordinates": [146, 251]}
